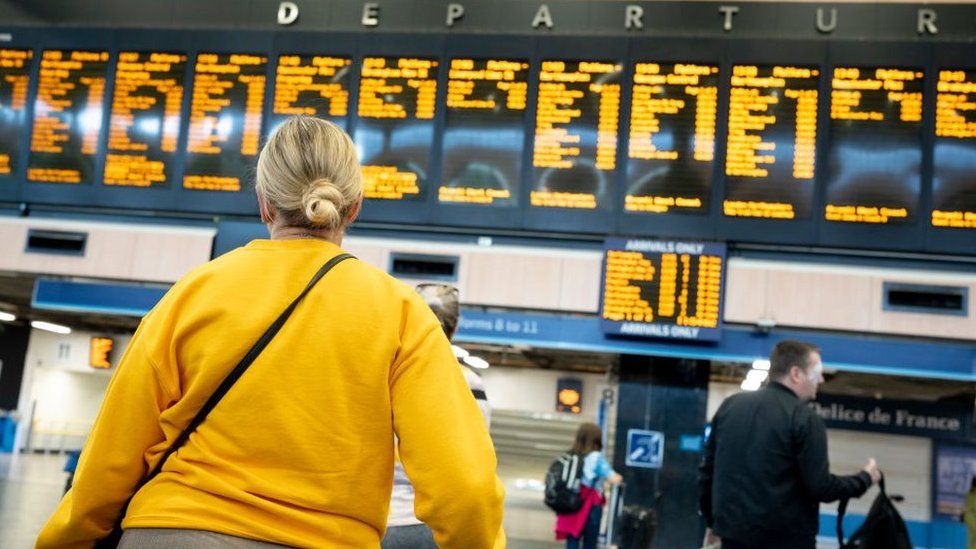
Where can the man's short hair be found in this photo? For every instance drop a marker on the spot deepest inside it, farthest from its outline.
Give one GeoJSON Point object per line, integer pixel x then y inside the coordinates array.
{"type": "Point", "coordinates": [789, 353]}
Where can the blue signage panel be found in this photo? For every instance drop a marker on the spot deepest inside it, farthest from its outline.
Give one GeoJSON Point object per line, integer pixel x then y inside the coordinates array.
{"type": "Point", "coordinates": [662, 288]}
{"type": "Point", "coordinates": [645, 449]}
{"type": "Point", "coordinates": [95, 297]}
{"type": "Point", "coordinates": [853, 353]}
{"type": "Point", "coordinates": [955, 469]}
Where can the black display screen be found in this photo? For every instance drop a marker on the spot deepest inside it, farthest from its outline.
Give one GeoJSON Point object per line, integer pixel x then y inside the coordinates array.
{"type": "Point", "coordinates": [672, 138]}
{"type": "Point", "coordinates": [224, 130]}
{"type": "Point", "coordinates": [311, 85]}
{"type": "Point", "coordinates": [875, 155]}
{"type": "Point", "coordinates": [954, 176]}
{"type": "Point", "coordinates": [575, 145]}
{"type": "Point", "coordinates": [395, 126]}
{"type": "Point", "coordinates": [14, 81]}
{"type": "Point", "coordinates": [484, 131]}
{"type": "Point", "coordinates": [658, 288]}
{"type": "Point", "coordinates": [145, 120]}
{"type": "Point", "coordinates": [771, 152]}
{"type": "Point", "coordinates": [68, 115]}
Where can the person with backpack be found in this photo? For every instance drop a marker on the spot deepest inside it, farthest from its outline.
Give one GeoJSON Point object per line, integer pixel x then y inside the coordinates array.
{"type": "Point", "coordinates": [583, 524]}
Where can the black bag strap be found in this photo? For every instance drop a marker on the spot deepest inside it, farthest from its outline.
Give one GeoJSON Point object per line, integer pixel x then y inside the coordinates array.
{"type": "Point", "coordinates": [231, 378]}
{"type": "Point", "coordinates": [842, 510]}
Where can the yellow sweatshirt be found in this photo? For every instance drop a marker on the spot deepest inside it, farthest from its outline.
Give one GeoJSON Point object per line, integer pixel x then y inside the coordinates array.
{"type": "Point", "coordinates": [300, 451]}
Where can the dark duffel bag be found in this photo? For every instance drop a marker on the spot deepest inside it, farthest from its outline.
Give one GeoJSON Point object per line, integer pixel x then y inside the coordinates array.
{"type": "Point", "coordinates": [883, 526]}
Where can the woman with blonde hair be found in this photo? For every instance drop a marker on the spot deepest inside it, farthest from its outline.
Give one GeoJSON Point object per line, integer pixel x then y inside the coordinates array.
{"type": "Point", "coordinates": [256, 405]}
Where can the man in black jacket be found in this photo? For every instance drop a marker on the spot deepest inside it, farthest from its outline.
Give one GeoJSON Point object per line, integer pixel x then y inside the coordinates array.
{"type": "Point", "coordinates": [765, 468]}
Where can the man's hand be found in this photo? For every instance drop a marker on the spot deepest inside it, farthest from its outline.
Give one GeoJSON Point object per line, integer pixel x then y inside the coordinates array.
{"type": "Point", "coordinates": [711, 540]}
{"type": "Point", "coordinates": [615, 478]}
{"type": "Point", "coordinates": [872, 469]}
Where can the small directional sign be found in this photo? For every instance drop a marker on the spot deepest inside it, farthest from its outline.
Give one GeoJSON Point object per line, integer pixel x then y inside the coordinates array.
{"type": "Point", "coordinates": [645, 449]}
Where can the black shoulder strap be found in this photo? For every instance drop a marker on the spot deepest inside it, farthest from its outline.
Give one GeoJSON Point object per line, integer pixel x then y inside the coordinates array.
{"type": "Point", "coordinates": [242, 366]}
{"type": "Point", "coordinates": [232, 377]}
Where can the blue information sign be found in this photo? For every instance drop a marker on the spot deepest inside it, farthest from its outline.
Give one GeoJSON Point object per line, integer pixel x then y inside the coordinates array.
{"type": "Point", "coordinates": [645, 449]}
{"type": "Point", "coordinates": [662, 288]}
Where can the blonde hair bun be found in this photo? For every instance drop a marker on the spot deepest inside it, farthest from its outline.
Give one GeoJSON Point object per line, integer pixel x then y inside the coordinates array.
{"type": "Point", "coordinates": [309, 171]}
{"type": "Point", "coordinates": [322, 203]}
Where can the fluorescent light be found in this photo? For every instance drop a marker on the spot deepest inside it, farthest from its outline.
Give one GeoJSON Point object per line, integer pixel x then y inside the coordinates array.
{"type": "Point", "coordinates": [459, 353]}
{"type": "Point", "coordinates": [760, 364]}
{"type": "Point", "coordinates": [750, 384]}
{"type": "Point", "coordinates": [56, 328]}
{"type": "Point", "coordinates": [761, 375]}
{"type": "Point", "coordinates": [475, 362]}
{"type": "Point", "coordinates": [7, 317]}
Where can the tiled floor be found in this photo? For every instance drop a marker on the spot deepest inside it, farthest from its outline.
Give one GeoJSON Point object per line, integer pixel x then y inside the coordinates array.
{"type": "Point", "coordinates": [31, 485]}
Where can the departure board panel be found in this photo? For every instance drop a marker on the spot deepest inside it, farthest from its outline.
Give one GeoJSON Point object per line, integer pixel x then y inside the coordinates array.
{"type": "Point", "coordinates": [672, 137]}
{"type": "Point", "coordinates": [67, 116]}
{"type": "Point", "coordinates": [954, 178]}
{"type": "Point", "coordinates": [575, 143]}
{"type": "Point", "coordinates": [875, 155]}
{"type": "Point", "coordinates": [14, 81]}
{"type": "Point", "coordinates": [395, 126]}
{"type": "Point", "coordinates": [656, 288]}
{"type": "Point", "coordinates": [144, 124]}
{"type": "Point", "coordinates": [224, 130]}
{"type": "Point", "coordinates": [771, 150]}
{"type": "Point", "coordinates": [484, 132]}
{"type": "Point", "coordinates": [313, 85]}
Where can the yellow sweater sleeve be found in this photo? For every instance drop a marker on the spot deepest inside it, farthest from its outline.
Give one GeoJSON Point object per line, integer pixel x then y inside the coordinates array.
{"type": "Point", "coordinates": [443, 439]}
{"type": "Point", "coordinates": [126, 428]}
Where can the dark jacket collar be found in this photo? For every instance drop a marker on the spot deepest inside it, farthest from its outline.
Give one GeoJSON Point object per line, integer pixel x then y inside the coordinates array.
{"type": "Point", "coordinates": [775, 385]}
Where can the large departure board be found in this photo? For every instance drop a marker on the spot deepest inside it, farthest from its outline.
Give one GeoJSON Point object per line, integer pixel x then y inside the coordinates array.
{"type": "Point", "coordinates": [312, 85]}
{"type": "Point", "coordinates": [14, 81]}
{"type": "Point", "coordinates": [575, 144]}
{"type": "Point", "coordinates": [954, 176]}
{"type": "Point", "coordinates": [657, 288]}
{"type": "Point", "coordinates": [672, 137]}
{"type": "Point", "coordinates": [224, 130]}
{"type": "Point", "coordinates": [771, 152]}
{"type": "Point", "coordinates": [67, 116]}
{"type": "Point", "coordinates": [875, 155]}
{"type": "Point", "coordinates": [144, 124]}
{"type": "Point", "coordinates": [395, 127]}
{"type": "Point", "coordinates": [484, 131]}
